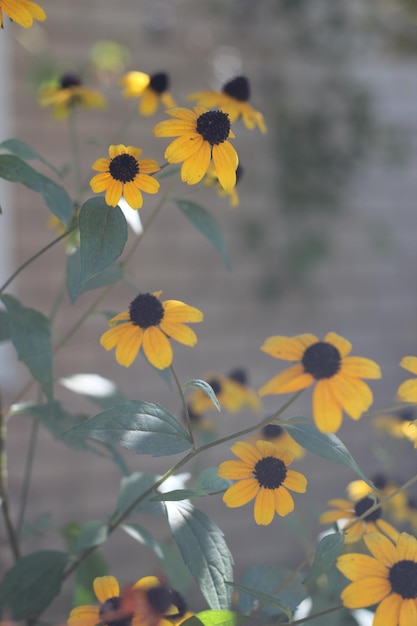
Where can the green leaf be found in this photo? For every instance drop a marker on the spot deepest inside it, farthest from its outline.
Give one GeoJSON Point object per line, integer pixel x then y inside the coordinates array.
{"type": "Point", "coordinates": [210, 482]}
{"type": "Point", "coordinates": [110, 275]}
{"type": "Point", "coordinates": [206, 388]}
{"type": "Point", "coordinates": [215, 618]}
{"type": "Point", "coordinates": [30, 586]}
{"type": "Point", "coordinates": [265, 598]}
{"type": "Point", "coordinates": [204, 551]}
{"type": "Point", "coordinates": [57, 200]}
{"type": "Point", "coordinates": [326, 554]}
{"type": "Point", "coordinates": [103, 235]}
{"type": "Point", "coordinates": [140, 426]}
{"type": "Point", "coordinates": [144, 537]}
{"type": "Point", "coordinates": [325, 445]}
{"type": "Point", "coordinates": [4, 326]}
{"type": "Point", "coordinates": [133, 487]}
{"type": "Point", "coordinates": [29, 332]}
{"type": "Point", "coordinates": [206, 224]}
{"type": "Point", "coordinates": [24, 151]}
{"type": "Point", "coordinates": [93, 533]}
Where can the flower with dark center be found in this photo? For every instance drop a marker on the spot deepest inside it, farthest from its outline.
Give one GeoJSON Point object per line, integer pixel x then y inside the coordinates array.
{"type": "Point", "coordinates": [400, 425]}
{"type": "Point", "coordinates": [346, 511]}
{"type": "Point", "coordinates": [262, 474]}
{"type": "Point", "coordinates": [123, 173]}
{"type": "Point", "coordinates": [407, 391]}
{"type": "Point", "coordinates": [233, 99]}
{"type": "Point", "coordinates": [211, 180]}
{"type": "Point", "coordinates": [148, 324]}
{"type": "Point", "coordinates": [280, 437]}
{"type": "Point", "coordinates": [152, 90]}
{"type": "Point", "coordinates": [232, 395]}
{"type": "Point", "coordinates": [387, 579]}
{"type": "Point", "coordinates": [69, 93]}
{"type": "Point", "coordinates": [337, 376]}
{"type": "Point", "coordinates": [202, 137]}
{"type": "Point", "coordinates": [22, 12]}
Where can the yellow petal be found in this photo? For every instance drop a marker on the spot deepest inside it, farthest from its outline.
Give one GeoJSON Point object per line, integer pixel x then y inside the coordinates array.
{"type": "Point", "coordinates": [284, 502]}
{"type": "Point", "coordinates": [183, 147]}
{"type": "Point", "coordinates": [116, 150]}
{"type": "Point", "coordinates": [132, 195]}
{"type": "Point", "coordinates": [360, 367]}
{"type": "Point", "coordinates": [241, 493]}
{"type": "Point", "coordinates": [329, 517]}
{"type": "Point", "coordinates": [264, 509]}
{"type": "Point", "coordinates": [327, 412]}
{"type": "Point", "coordinates": [235, 470]}
{"type": "Point", "coordinates": [195, 167]}
{"type": "Point", "coordinates": [147, 582]}
{"type": "Point", "coordinates": [106, 587]}
{"type": "Point", "coordinates": [101, 165]}
{"type": "Point", "coordinates": [288, 348]}
{"type": "Point", "coordinates": [174, 128]}
{"type": "Point", "coordinates": [180, 332]}
{"type": "Point", "coordinates": [365, 592]}
{"type": "Point", "coordinates": [157, 348]}
{"type": "Point", "coordinates": [388, 612]}
{"type": "Point", "coordinates": [407, 547]}
{"type": "Point", "coordinates": [148, 184]}
{"type": "Point", "coordinates": [246, 452]}
{"type": "Point", "coordinates": [295, 481]}
{"type": "Point", "coordinates": [134, 84]}
{"type": "Point", "coordinates": [84, 616]}
{"type": "Point", "coordinates": [409, 363]}
{"type": "Point", "coordinates": [292, 379]}
{"type": "Point", "coordinates": [352, 394]}
{"type": "Point", "coordinates": [128, 345]}
{"type": "Point", "coordinates": [148, 166]}
{"type": "Point", "coordinates": [408, 612]}
{"type": "Point", "coordinates": [265, 448]}
{"type": "Point", "coordinates": [176, 311]}
{"type": "Point", "coordinates": [149, 103]}
{"type": "Point", "coordinates": [381, 548]}
{"type": "Point", "coordinates": [356, 566]}
{"type": "Point", "coordinates": [407, 391]}
{"type": "Point", "coordinates": [100, 182]}
{"type": "Point", "coordinates": [114, 192]}
{"type": "Point", "coordinates": [225, 161]}
{"type": "Point", "coordinates": [342, 345]}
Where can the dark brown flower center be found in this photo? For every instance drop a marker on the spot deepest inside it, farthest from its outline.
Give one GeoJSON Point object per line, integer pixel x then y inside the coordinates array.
{"type": "Point", "coordinates": [178, 601]}
{"type": "Point", "coordinates": [239, 173]}
{"type": "Point", "coordinates": [213, 126]}
{"type": "Point", "coordinates": [109, 611]}
{"type": "Point", "coordinates": [403, 578]}
{"type": "Point", "coordinates": [124, 167]}
{"type": "Point", "coordinates": [159, 599]}
{"type": "Point", "coordinates": [272, 431]}
{"type": "Point", "coordinates": [69, 80]}
{"type": "Point", "coordinates": [215, 385]}
{"type": "Point", "coordinates": [238, 88]}
{"type": "Point", "coordinates": [146, 310]}
{"type": "Point", "coordinates": [407, 414]}
{"type": "Point", "coordinates": [159, 82]}
{"type": "Point", "coordinates": [270, 472]}
{"type": "Point", "coordinates": [363, 505]}
{"type": "Point", "coordinates": [321, 360]}
{"type": "Point", "coordinates": [239, 375]}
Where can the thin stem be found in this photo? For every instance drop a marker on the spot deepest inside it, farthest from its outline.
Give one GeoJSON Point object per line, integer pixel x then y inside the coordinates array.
{"type": "Point", "coordinates": [36, 256]}
{"type": "Point", "coordinates": [75, 152]}
{"type": "Point", "coordinates": [4, 497]}
{"type": "Point", "coordinates": [184, 405]}
{"type": "Point", "coordinates": [27, 474]}
{"type": "Point", "coordinates": [303, 620]}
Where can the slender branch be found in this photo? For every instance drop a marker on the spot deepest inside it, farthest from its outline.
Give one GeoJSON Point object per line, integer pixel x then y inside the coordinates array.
{"type": "Point", "coordinates": [75, 152]}
{"type": "Point", "coordinates": [4, 498]}
{"type": "Point", "coordinates": [27, 474]}
{"type": "Point", "coordinates": [304, 620]}
{"type": "Point", "coordinates": [184, 405]}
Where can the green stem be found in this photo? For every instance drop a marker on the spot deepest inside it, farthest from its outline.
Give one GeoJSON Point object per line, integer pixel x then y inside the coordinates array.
{"type": "Point", "coordinates": [36, 256]}
{"type": "Point", "coordinates": [75, 153]}
{"type": "Point", "coordinates": [303, 620]}
{"type": "Point", "coordinates": [4, 497]}
{"type": "Point", "coordinates": [184, 405]}
{"type": "Point", "coordinates": [27, 474]}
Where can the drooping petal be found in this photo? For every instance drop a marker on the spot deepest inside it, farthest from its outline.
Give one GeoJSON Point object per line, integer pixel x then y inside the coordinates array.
{"type": "Point", "coordinates": [146, 183]}
{"type": "Point", "coordinates": [174, 128]}
{"type": "Point", "coordinates": [225, 161]}
{"type": "Point", "coordinates": [195, 167]}
{"type": "Point", "coordinates": [132, 195]}
{"type": "Point", "coordinates": [326, 410]}
{"type": "Point", "coordinates": [147, 582]}
{"type": "Point", "coordinates": [409, 363]}
{"type": "Point", "coordinates": [125, 315]}
{"type": "Point", "coordinates": [114, 192]}
{"type": "Point", "coordinates": [407, 391]}
{"type": "Point", "coordinates": [352, 394]}
{"type": "Point", "coordinates": [408, 612]}
{"type": "Point", "coordinates": [87, 615]}
{"type": "Point", "coordinates": [381, 548]}
{"type": "Point", "coordinates": [355, 566]}
{"type": "Point", "coordinates": [128, 345]}
{"type": "Point", "coordinates": [360, 367]}
{"type": "Point", "coordinates": [264, 509]}
{"type": "Point", "coordinates": [388, 611]}
{"type": "Point", "coordinates": [284, 502]}
{"type": "Point", "coordinates": [385, 527]}
{"type": "Point", "coordinates": [365, 592]}
{"type": "Point", "coordinates": [295, 481]}
{"type": "Point", "coordinates": [235, 470]}
{"type": "Point", "coordinates": [288, 348]}
{"type": "Point", "coordinates": [340, 343]}
{"type": "Point", "coordinates": [106, 587]}
{"type": "Point", "coordinates": [292, 379]}
{"type": "Point", "coordinates": [241, 493]}
{"type": "Point", "coordinates": [157, 348]}
{"type": "Point", "coordinates": [176, 311]}
{"type": "Point", "coordinates": [329, 517]}
{"type": "Point", "coordinates": [246, 452]}
{"type": "Point", "coordinates": [407, 547]}
{"type": "Point", "coordinates": [180, 332]}
{"type": "Point", "coordinates": [149, 103]}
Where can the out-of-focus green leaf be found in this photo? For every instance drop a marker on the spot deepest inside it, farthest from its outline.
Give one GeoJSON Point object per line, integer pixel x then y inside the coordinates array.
{"type": "Point", "coordinates": [4, 326]}
{"type": "Point", "coordinates": [31, 584]}
{"type": "Point", "coordinates": [56, 198]}
{"type": "Point", "coordinates": [110, 275]}
{"type": "Point", "coordinates": [144, 537]}
{"type": "Point", "coordinates": [215, 618]}
{"type": "Point", "coordinates": [329, 548]}
{"type": "Point", "coordinates": [140, 426]}
{"type": "Point", "coordinates": [204, 551]}
{"type": "Point", "coordinates": [103, 235]}
{"type": "Point", "coordinates": [134, 486]}
{"type": "Point", "coordinates": [93, 533]}
{"type": "Point", "coordinates": [206, 224]}
{"type": "Point", "coordinates": [24, 151]}
{"type": "Point", "coordinates": [29, 332]}
{"type": "Point", "coordinates": [265, 598]}
{"type": "Point", "coordinates": [206, 388]}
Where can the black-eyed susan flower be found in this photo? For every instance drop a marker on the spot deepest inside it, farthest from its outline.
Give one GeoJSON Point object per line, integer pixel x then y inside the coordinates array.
{"type": "Point", "coordinates": [233, 99]}
{"type": "Point", "coordinates": [262, 474]}
{"type": "Point", "coordinates": [388, 578]}
{"type": "Point", "coordinates": [199, 421]}
{"type": "Point", "coordinates": [152, 90]}
{"type": "Point", "coordinates": [399, 425]}
{"type": "Point", "coordinates": [147, 325]}
{"type": "Point", "coordinates": [361, 498]}
{"type": "Point", "coordinates": [211, 180]}
{"type": "Point", "coordinates": [407, 391]}
{"type": "Point", "coordinates": [23, 12]}
{"type": "Point", "coordinates": [337, 376]}
{"type": "Point", "coordinates": [280, 437]}
{"type": "Point", "coordinates": [125, 174]}
{"type": "Point", "coordinates": [146, 603]}
{"type": "Point", "coordinates": [68, 94]}
{"type": "Point", "coordinates": [202, 136]}
{"type": "Point", "coordinates": [232, 392]}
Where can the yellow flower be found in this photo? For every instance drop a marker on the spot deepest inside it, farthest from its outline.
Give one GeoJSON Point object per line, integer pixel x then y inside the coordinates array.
{"type": "Point", "coordinates": [211, 180]}
{"type": "Point", "coordinates": [233, 100]}
{"type": "Point", "coordinates": [232, 392]}
{"type": "Point", "coordinates": [262, 474]}
{"type": "Point", "coordinates": [399, 425]}
{"type": "Point", "coordinates": [22, 12]}
{"type": "Point", "coordinates": [388, 578]}
{"type": "Point", "coordinates": [146, 603]}
{"type": "Point", "coordinates": [69, 94]}
{"type": "Point", "coordinates": [276, 434]}
{"type": "Point", "coordinates": [407, 391]}
{"type": "Point", "coordinates": [361, 498]}
{"type": "Point", "coordinates": [201, 136]}
{"type": "Point", "coordinates": [147, 324]}
{"type": "Point", "coordinates": [150, 89]}
{"type": "Point", "coordinates": [337, 376]}
{"type": "Point", "coordinates": [124, 174]}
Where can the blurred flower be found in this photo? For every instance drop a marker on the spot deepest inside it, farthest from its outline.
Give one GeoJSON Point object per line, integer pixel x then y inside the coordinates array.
{"type": "Point", "coordinates": [22, 12]}
{"type": "Point", "coordinates": [150, 89]}
{"type": "Point", "coordinates": [233, 99]}
{"type": "Point", "coordinates": [407, 391]}
{"type": "Point", "coordinates": [398, 425]}
{"type": "Point", "coordinates": [69, 94]}
{"type": "Point", "coordinates": [231, 391]}
{"type": "Point", "coordinates": [211, 180]}
{"type": "Point", "coordinates": [147, 324]}
{"type": "Point", "coordinates": [337, 375]}
{"type": "Point", "coordinates": [123, 173]}
{"type": "Point", "coordinates": [262, 474]}
{"type": "Point", "coordinates": [201, 136]}
{"type": "Point", "coordinates": [73, 239]}
{"type": "Point", "coordinates": [199, 421]}
{"type": "Point", "coordinates": [280, 437]}
{"type": "Point", "coordinates": [388, 578]}
{"type": "Point", "coordinates": [397, 505]}
{"type": "Point", "coordinates": [361, 498]}
{"type": "Point", "coordinates": [146, 603]}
